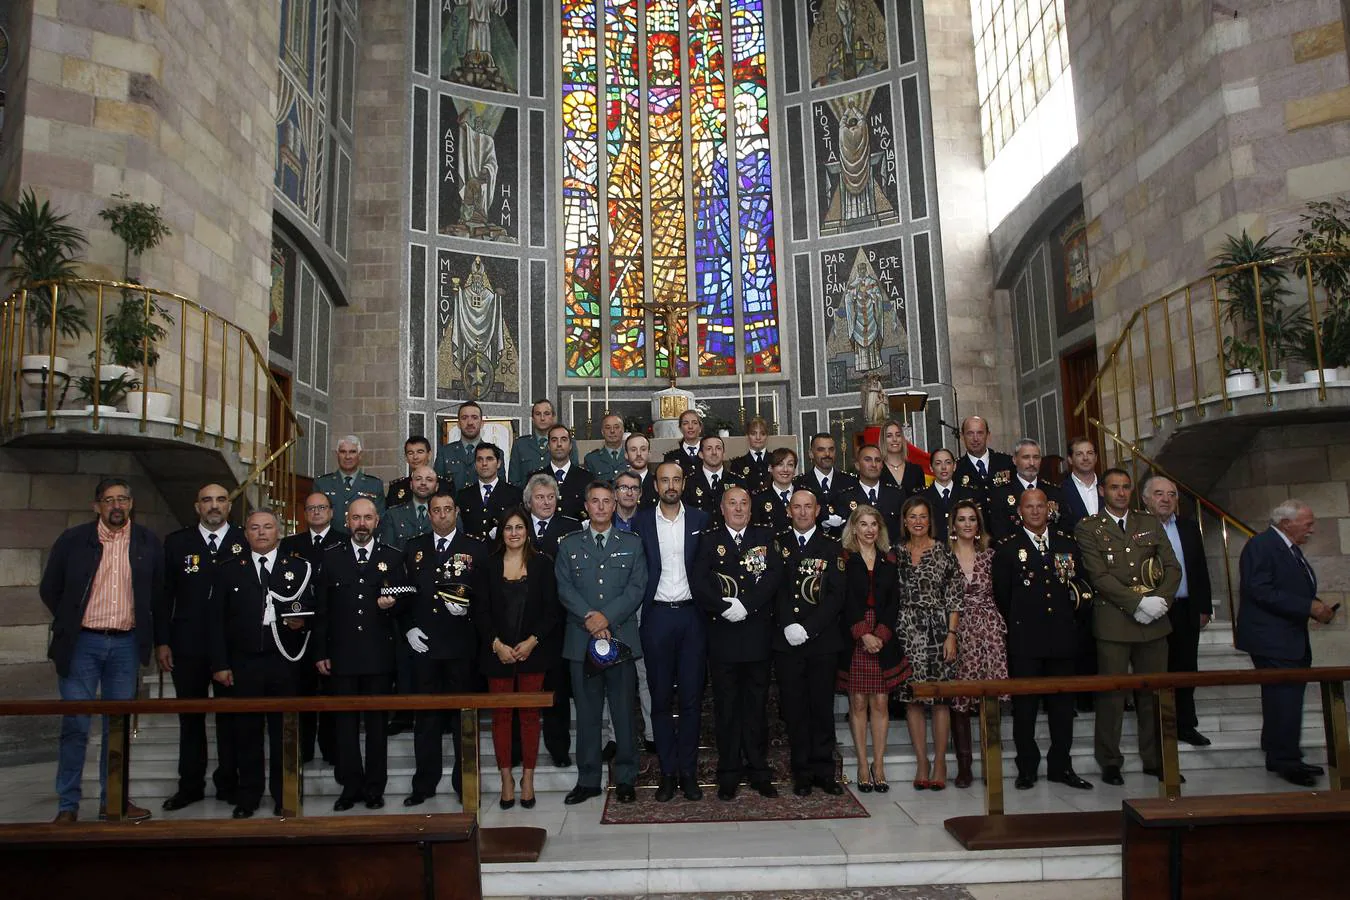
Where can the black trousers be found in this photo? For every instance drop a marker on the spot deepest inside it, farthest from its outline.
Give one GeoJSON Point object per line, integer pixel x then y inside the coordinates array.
{"type": "Point", "coordinates": [674, 647]}
{"type": "Point", "coordinates": [192, 681]}
{"type": "Point", "coordinates": [806, 700]}
{"type": "Point", "coordinates": [740, 692]}
{"type": "Point", "coordinates": [360, 780]}
{"type": "Point", "coordinates": [1282, 713]}
{"type": "Point", "coordinates": [405, 676]}
{"type": "Point", "coordinates": [1059, 708]}
{"type": "Point", "coordinates": [437, 676]}
{"type": "Point", "coordinates": [261, 675]}
{"type": "Point", "coordinates": [1183, 655]}
{"type": "Point", "coordinates": [557, 719]}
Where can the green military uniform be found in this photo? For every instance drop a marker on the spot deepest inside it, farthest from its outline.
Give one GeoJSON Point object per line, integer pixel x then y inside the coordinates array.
{"type": "Point", "coordinates": [341, 490]}
{"type": "Point", "coordinates": [605, 464]}
{"type": "Point", "coordinates": [529, 455]}
{"type": "Point", "coordinates": [1125, 566]}
{"type": "Point", "coordinates": [455, 461]}
{"type": "Point", "coordinates": [403, 523]}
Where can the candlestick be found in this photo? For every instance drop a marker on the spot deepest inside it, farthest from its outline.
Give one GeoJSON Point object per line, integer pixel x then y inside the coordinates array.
{"type": "Point", "coordinates": [756, 396]}
{"type": "Point", "coordinates": [588, 410]}
{"type": "Point", "coordinates": [607, 406]}
{"type": "Point", "coordinates": [740, 385]}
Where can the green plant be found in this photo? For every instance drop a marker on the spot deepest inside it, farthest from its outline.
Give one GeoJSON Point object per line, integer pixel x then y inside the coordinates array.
{"type": "Point", "coordinates": [1325, 229]}
{"type": "Point", "coordinates": [139, 225]}
{"type": "Point", "coordinates": [111, 392]}
{"type": "Point", "coordinates": [1287, 331]}
{"type": "Point", "coordinates": [43, 247]}
{"type": "Point", "coordinates": [1335, 333]}
{"type": "Point", "coordinates": [1240, 356]}
{"type": "Point", "coordinates": [133, 331]}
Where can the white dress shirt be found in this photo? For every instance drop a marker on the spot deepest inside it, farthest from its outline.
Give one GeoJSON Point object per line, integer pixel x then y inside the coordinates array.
{"type": "Point", "coordinates": [271, 559]}
{"type": "Point", "coordinates": [980, 459]}
{"type": "Point", "coordinates": [1039, 539]}
{"type": "Point", "coordinates": [1091, 499]}
{"type": "Point", "coordinates": [1173, 535]}
{"type": "Point", "coordinates": [673, 585]}
{"type": "Point", "coordinates": [369, 548]}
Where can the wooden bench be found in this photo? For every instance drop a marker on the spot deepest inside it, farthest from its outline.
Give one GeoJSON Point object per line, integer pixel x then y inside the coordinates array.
{"type": "Point", "coordinates": [368, 857]}
{"type": "Point", "coordinates": [1237, 845]}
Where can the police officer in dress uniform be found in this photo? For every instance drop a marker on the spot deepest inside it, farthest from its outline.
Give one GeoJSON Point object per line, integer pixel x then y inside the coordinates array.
{"type": "Point", "coordinates": [703, 487]}
{"type": "Point", "coordinates": [358, 591]}
{"type": "Point", "coordinates": [769, 506]}
{"type": "Point", "coordinates": [258, 607]}
{"type": "Point", "coordinates": [825, 481]}
{"type": "Point", "coordinates": [417, 452]}
{"type": "Point", "coordinates": [1134, 574]}
{"type": "Point", "coordinates": [752, 468]}
{"type": "Point", "coordinates": [530, 453]}
{"type": "Point", "coordinates": [447, 567]}
{"type": "Point", "coordinates": [455, 460]}
{"type": "Point", "coordinates": [872, 490]}
{"type": "Point", "coordinates": [1003, 512]}
{"type": "Point", "coordinates": [686, 452]}
{"type": "Point", "coordinates": [605, 463]}
{"type": "Point", "coordinates": [406, 521]}
{"type": "Point", "coordinates": [483, 501]}
{"type": "Point", "coordinates": [349, 482]}
{"type": "Point", "coordinates": [944, 492]}
{"type": "Point", "coordinates": [734, 581]}
{"type": "Point", "coordinates": [981, 469]}
{"type": "Point", "coordinates": [807, 642]}
{"type": "Point", "coordinates": [182, 637]}
{"type": "Point", "coordinates": [572, 479]}
{"type": "Point", "coordinates": [1036, 588]}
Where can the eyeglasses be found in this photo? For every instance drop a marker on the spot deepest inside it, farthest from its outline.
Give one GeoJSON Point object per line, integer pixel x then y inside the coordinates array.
{"type": "Point", "coordinates": [317, 508]}
{"type": "Point", "coordinates": [115, 501]}
{"type": "Point", "coordinates": [626, 487]}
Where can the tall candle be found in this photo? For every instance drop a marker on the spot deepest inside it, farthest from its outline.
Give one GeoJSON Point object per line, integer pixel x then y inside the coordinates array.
{"type": "Point", "coordinates": [588, 405]}
{"type": "Point", "coordinates": [607, 406]}
{"type": "Point", "coordinates": [740, 385]}
{"type": "Point", "coordinates": [756, 397]}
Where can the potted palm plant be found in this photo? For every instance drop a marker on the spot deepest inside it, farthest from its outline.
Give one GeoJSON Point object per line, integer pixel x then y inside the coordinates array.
{"type": "Point", "coordinates": [111, 392]}
{"type": "Point", "coordinates": [43, 247]}
{"type": "Point", "coordinates": [1243, 362]}
{"type": "Point", "coordinates": [1284, 327]}
{"type": "Point", "coordinates": [132, 332]}
{"type": "Point", "coordinates": [1325, 229]}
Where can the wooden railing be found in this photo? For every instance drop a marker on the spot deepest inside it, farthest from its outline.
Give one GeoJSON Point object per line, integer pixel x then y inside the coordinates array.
{"type": "Point", "coordinates": [220, 387]}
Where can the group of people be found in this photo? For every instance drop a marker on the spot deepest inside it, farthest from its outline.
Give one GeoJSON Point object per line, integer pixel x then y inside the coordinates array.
{"type": "Point", "coordinates": [621, 583]}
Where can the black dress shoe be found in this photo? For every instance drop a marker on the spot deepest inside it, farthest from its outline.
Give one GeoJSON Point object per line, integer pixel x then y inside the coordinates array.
{"type": "Point", "coordinates": [801, 787]}
{"type": "Point", "coordinates": [829, 786]}
{"type": "Point", "coordinates": [416, 798]}
{"type": "Point", "coordinates": [765, 789]}
{"type": "Point", "coordinates": [225, 795]}
{"type": "Point", "coordinates": [1071, 779]}
{"type": "Point", "coordinates": [527, 802]}
{"type": "Point", "coordinates": [689, 787]}
{"type": "Point", "coordinates": [1300, 777]}
{"type": "Point", "coordinates": [1129, 704]}
{"type": "Point", "coordinates": [180, 800]}
{"type": "Point", "coordinates": [649, 746]}
{"type": "Point", "coordinates": [242, 812]}
{"type": "Point", "coordinates": [506, 804]}
{"type": "Point", "coordinates": [611, 750]}
{"type": "Point", "coordinates": [1025, 782]}
{"type": "Point", "coordinates": [580, 794]}
{"type": "Point", "coordinates": [375, 802]}
{"type": "Point", "coordinates": [561, 760]}
{"type": "Point", "coordinates": [1302, 767]}
{"type": "Point", "coordinates": [1158, 774]}
{"type": "Point", "coordinates": [665, 791]}
{"type": "Point", "coordinates": [625, 793]}
{"type": "Point", "coordinates": [726, 792]}
{"type": "Point", "coordinates": [1111, 775]}
{"type": "Point", "coordinates": [344, 803]}
{"type": "Point", "coordinates": [1194, 738]}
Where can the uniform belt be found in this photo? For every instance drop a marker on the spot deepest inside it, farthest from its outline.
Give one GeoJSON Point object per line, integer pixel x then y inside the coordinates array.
{"type": "Point", "coordinates": [108, 632]}
{"type": "Point", "coordinates": [673, 604]}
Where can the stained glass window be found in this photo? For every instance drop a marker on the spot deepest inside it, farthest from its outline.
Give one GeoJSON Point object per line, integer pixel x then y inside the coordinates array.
{"type": "Point", "coordinates": [681, 169]}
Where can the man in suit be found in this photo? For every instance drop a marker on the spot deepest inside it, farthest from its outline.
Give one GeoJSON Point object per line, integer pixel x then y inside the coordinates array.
{"type": "Point", "coordinates": [602, 576]}
{"type": "Point", "coordinates": [571, 478]}
{"type": "Point", "coordinates": [981, 469]}
{"type": "Point", "coordinates": [350, 482]}
{"type": "Point", "coordinates": [417, 453]}
{"type": "Point", "coordinates": [674, 636]}
{"type": "Point", "coordinates": [686, 453]}
{"type": "Point", "coordinates": [258, 604]}
{"type": "Point", "coordinates": [704, 485]}
{"type": "Point", "coordinates": [530, 454]}
{"type": "Point", "coordinates": [824, 480]}
{"type": "Point", "coordinates": [354, 634]}
{"type": "Point", "coordinates": [96, 641]}
{"type": "Point", "coordinates": [944, 492]}
{"type": "Point", "coordinates": [456, 460]}
{"type": "Point", "coordinates": [483, 501]}
{"type": "Point", "coordinates": [736, 577]}
{"type": "Point", "coordinates": [807, 641]}
{"type": "Point", "coordinates": [627, 496]}
{"type": "Point", "coordinates": [1034, 571]}
{"type": "Point", "coordinates": [182, 635]}
{"type": "Point", "coordinates": [872, 490]}
{"type": "Point", "coordinates": [402, 523]}
{"type": "Point", "coordinates": [752, 468]}
{"type": "Point", "coordinates": [1134, 575]}
{"type": "Point", "coordinates": [443, 563]}
{"type": "Point", "coordinates": [637, 452]}
{"type": "Point", "coordinates": [605, 463]}
{"type": "Point", "coordinates": [770, 505]}
{"type": "Point", "coordinates": [1279, 596]}
{"type": "Point", "coordinates": [1080, 492]}
{"type": "Point", "coordinates": [320, 534]}
{"type": "Point", "coordinates": [1001, 515]}
{"type": "Point", "coordinates": [1192, 607]}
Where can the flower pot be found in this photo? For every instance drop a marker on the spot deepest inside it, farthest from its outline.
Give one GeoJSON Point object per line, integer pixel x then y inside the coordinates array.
{"type": "Point", "coordinates": [157, 404]}
{"type": "Point", "coordinates": [1327, 375]}
{"type": "Point", "coordinates": [112, 372]}
{"type": "Point", "coordinates": [1239, 380]}
{"type": "Point", "coordinates": [102, 410]}
{"type": "Point", "coordinates": [35, 365]}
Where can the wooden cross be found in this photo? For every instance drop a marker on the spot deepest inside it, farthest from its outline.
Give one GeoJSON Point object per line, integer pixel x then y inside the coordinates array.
{"type": "Point", "coordinates": [842, 422]}
{"type": "Point", "coordinates": [669, 308]}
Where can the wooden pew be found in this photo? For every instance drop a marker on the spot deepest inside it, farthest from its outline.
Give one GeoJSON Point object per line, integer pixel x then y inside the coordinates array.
{"type": "Point", "coordinates": [1236, 845]}
{"type": "Point", "coordinates": [367, 857]}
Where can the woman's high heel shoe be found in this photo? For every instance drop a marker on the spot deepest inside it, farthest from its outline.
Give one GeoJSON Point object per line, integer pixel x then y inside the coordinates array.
{"type": "Point", "coordinates": [507, 804]}
{"type": "Point", "coordinates": [865, 787]}
{"type": "Point", "coordinates": [879, 784]}
{"type": "Point", "coordinates": [527, 803]}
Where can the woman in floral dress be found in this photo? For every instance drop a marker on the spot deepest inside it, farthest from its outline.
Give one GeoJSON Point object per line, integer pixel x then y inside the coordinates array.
{"type": "Point", "coordinates": [981, 637]}
{"type": "Point", "coordinates": [931, 592]}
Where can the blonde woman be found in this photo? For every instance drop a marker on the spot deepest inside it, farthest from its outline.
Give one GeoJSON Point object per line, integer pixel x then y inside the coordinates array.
{"type": "Point", "coordinates": [981, 636]}
{"type": "Point", "coordinates": [930, 611]}
{"type": "Point", "coordinates": [867, 579]}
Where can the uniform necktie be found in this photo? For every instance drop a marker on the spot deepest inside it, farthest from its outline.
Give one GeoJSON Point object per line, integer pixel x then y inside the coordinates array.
{"type": "Point", "coordinates": [559, 474]}
{"type": "Point", "coordinates": [263, 574]}
{"type": "Point", "coordinates": [318, 540]}
{"type": "Point", "coordinates": [600, 541]}
{"type": "Point", "coordinates": [871, 495]}
{"type": "Point", "coordinates": [1303, 564]}
{"type": "Point", "coordinates": [361, 555]}
{"type": "Point", "coordinates": [543, 526]}
{"type": "Point", "coordinates": [1121, 523]}
{"type": "Point", "coordinates": [715, 479]}
{"type": "Point", "coordinates": [487, 492]}
{"type": "Point", "coordinates": [441, 544]}
{"type": "Point", "coordinates": [348, 479]}
{"type": "Point", "coordinates": [784, 495]}
{"type": "Point", "coordinates": [980, 467]}
{"type": "Point", "coordinates": [946, 494]}
{"type": "Point", "coordinates": [1040, 543]}
{"type": "Point", "coordinates": [736, 539]}
{"type": "Point", "coordinates": [825, 484]}
{"type": "Point", "coordinates": [212, 545]}
{"type": "Point", "coordinates": [421, 516]}
{"type": "Point", "coordinates": [801, 541]}
{"type": "Point", "coordinates": [614, 455]}
{"type": "Point", "coordinates": [692, 454]}
{"type": "Point", "coordinates": [759, 459]}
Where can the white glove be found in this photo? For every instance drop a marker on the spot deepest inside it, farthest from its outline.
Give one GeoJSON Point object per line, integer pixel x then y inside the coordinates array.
{"type": "Point", "coordinates": [834, 521]}
{"type": "Point", "coordinates": [1154, 607]}
{"type": "Point", "coordinates": [1140, 616]}
{"type": "Point", "coordinates": [736, 611]}
{"type": "Point", "coordinates": [457, 609]}
{"type": "Point", "coordinates": [795, 634]}
{"type": "Point", "coordinates": [492, 534]}
{"type": "Point", "coordinates": [417, 639]}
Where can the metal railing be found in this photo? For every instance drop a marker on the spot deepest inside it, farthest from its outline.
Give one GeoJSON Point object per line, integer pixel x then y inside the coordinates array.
{"type": "Point", "coordinates": [224, 393]}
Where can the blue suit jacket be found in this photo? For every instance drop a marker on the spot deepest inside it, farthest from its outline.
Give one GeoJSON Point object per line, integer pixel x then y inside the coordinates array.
{"type": "Point", "coordinates": [1276, 599]}
{"type": "Point", "coordinates": [644, 525]}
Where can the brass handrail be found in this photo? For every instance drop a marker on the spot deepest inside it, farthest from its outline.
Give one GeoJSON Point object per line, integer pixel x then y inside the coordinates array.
{"type": "Point", "coordinates": [232, 368]}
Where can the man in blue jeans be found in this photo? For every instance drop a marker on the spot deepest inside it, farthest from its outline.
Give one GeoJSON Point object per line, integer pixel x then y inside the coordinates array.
{"type": "Point", "coordinates": [101, 583]}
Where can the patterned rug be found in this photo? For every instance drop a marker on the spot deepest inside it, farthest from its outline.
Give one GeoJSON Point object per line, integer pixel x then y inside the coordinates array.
{"type": "Point", "coordinates": [913, 892]}
{"type": "Point", "coordinates": [748, 806]}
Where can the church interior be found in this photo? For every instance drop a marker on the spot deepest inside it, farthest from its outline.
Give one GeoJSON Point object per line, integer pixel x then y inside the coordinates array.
{"type": "Point", "coordinates": [238, 235]}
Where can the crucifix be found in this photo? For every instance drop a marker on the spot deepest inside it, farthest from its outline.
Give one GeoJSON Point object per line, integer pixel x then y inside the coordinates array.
{"type": "Point", "coordinates": [842, 422]}
{"type": "Point", "coordinates": [669, 308]}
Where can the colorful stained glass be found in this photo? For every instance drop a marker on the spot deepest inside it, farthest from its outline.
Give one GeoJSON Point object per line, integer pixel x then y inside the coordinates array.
{"type": "Point", "coordinates": [623, 165]}
{"type": "Point", "coordinates": [580, 190]}
{"type": "Point", "coordinates": [666, 182]}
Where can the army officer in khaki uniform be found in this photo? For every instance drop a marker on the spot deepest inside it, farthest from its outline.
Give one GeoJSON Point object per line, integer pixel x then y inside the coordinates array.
{"type": "Point", "coordinates": [1134, 576]}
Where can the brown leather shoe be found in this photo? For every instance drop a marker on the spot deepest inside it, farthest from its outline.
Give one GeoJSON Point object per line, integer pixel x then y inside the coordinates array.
{"type": "Point", "coordinates": [66, 815]}
{"type": "Point", "coordinates": [134, 813]}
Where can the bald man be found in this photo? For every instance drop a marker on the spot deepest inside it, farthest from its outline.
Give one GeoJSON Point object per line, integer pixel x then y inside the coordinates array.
{"type": "Point", "coordinates": [981, 470]}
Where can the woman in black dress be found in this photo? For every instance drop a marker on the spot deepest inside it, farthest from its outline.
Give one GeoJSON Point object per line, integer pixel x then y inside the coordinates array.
{"type": "Point", "coordinates": [519, 625]}
{"type": "Point", "coordinates": [867, 578]}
